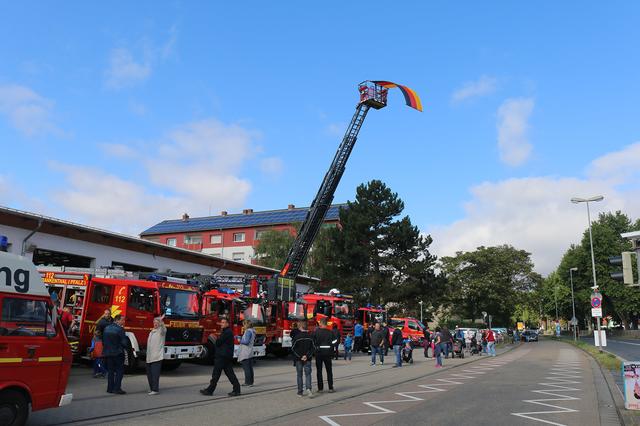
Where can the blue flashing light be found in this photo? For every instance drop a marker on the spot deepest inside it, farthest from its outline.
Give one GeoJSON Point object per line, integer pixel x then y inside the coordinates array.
{"type": "Point", "coordinates": [4, 243]}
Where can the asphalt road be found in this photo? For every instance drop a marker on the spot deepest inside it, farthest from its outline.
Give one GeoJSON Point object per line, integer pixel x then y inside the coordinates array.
{"type": "Point", "coordinates": [547, 382]}
{"type": "Point", "coordinates": [628, 349]}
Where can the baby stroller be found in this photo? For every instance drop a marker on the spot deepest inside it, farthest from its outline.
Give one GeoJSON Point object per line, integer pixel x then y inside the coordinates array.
{"type": "Point", "coordinates": [458, 348]}
{"type": "Point", "coordinates": [407, 352]}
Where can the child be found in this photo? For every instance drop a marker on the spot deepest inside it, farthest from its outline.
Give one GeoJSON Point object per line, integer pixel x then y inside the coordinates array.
{"type": "Point", "coordinates": [95, 351]}
{"type": "Point", "coordinates": [407, 352]}
{"type": "Point", "coordinates": [348, 345]}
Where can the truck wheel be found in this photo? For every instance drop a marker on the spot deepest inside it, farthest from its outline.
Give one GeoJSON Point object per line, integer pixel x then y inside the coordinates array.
{"type": "Point", "coordinates": [14, 408]}
{"type": "Point", "coordinates": [170, 365]}
{"type": "Point", "coordinates": [208, 353]}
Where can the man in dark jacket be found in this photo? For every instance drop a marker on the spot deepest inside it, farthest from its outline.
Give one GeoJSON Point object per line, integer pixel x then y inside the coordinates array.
{"type": "Point", "coordinates": [447, 340]}
{"type": "Point", "coordinates": [303, 348]}
{"type": "Point", "coordinates": [324, 341]}
{"type": "Point", "coordinates": [387, 336]}
{"type": "Point", "coordinates": [103, 322]}
{"type": "Point", "coordinates": [427, 341]}
{"type": "Point", "coordinates": [397, 343]}
{"type": "Point", "coordinates": [223, 361]}
{"type": "Point", "coordinates": [336, 338]}
{"type": "Point", "coordinates": [376, 340]}
{"type": "Point", "coordinates": [114, 345]}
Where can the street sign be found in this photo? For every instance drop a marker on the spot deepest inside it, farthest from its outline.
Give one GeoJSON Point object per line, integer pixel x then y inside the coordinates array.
{"type": "Point", "coordinates": [631, 375]}
{"type": "Point", "coordinates": [602, 340]}
{"type": "Point", "coordinates": [520, 326]}
{"type": "Point", "coordinates": [596, 312]}
{"type": "Point", "coordinates": [574, 321]}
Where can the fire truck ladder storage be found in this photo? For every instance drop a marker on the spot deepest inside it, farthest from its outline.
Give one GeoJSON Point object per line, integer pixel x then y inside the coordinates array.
{"type": "Point", "coordinates": [372, 95]}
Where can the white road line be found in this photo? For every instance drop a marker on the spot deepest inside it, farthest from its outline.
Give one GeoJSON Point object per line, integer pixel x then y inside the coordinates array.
{"type": "Point", "coordinates": [624, 343]}
{"type": "Point", "coordinates": [559, 379]}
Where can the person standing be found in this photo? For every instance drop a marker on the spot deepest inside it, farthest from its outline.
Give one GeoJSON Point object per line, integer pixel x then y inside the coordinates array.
{"type": "Point", "coordinates": [155, 354]}
{"type": "Point", "coordinates": [491, 343]}
{"type": "Point", "coordinates": [348, 346]}
{"type": "Point", "coordinates": [397, 343]}
{"type": "Point", "coordinates": [438, 347]}
{"type": "Point", "coordinates": [95, 352]}
{"type": "Point", "coordinates": [303, 348]}
{"type": "Point", "coordinates": [358, 331]}
{"type": "Point", "coordinates": [114, 345]}
{"type": "Point", "coordinates": [336, 341]}
{"type": "Point", "coordinates": [324, 341]}
{"type": "Point", "coordinates": [103, 322]}
{"type": "Point", "coordinates": [223, 361]}
{"type": "Point", "coordinates": [427, 342]}
{"type": "Point", "coordinates": [245, 356]}
{"type": "Point", "coordinates": [376, 341]}
{"type": "Point", "coordinates": [387, 337]}
{"type": "Point", "coordinates": [446, 340]}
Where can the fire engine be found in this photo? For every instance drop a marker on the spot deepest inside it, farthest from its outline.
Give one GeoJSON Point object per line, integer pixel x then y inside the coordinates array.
{"type": "Point", "coordinates": [336, 308]}
{"type": "Point", "coordinates": [139, 301]}
{"type": "Point", "coordinates": [368, 316]}
{"type": "Point", "coordinates": [219, 301]}
{"type": "Point", "coordinates": [281, 316]}
{"type": "Point", "coordinates": [411, 328]}
{"type": "Point", "coordinates": [35, 357]}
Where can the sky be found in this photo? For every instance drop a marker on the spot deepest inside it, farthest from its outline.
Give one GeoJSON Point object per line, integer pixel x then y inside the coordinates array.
{"type": "Point", "coordinates": [123, 114]}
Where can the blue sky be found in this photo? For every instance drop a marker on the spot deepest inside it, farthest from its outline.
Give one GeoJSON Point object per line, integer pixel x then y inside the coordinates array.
{"type": "Point", "coordinates": [124, 114]}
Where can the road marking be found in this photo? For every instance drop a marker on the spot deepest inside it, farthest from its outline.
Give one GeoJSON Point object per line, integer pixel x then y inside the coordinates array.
{"type": "Point", "coordinates": [624, 343]}
{"type": "Point", "coordinates": [560, 378]}
{"type": "Point", "coordinates": [453, 379]}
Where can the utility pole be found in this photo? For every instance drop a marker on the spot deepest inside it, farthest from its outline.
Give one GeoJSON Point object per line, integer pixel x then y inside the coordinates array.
{"type": "Point", "coordinates": [420, 303]}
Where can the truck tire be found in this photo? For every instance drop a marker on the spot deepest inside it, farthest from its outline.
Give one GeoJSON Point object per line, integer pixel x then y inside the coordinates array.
{"type": "Point", "coordinates": [14, 408]}
{"type": "Point", "coordinates": [208, 353]}
{"type": "Point", "coordinates": [170, 365]}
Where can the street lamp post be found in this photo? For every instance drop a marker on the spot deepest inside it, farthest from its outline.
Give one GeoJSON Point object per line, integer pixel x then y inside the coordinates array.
{"type": "Point", "coordinates": [574, 320]}
{"type": "Point", "coordinates": [576, 200]}
{"type": "Point", "coordinates": [420, 303]}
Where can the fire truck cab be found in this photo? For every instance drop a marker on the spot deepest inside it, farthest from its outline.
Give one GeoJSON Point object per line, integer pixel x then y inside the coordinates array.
{"type": "Point", "coordinates": [139, 301]}
{"type": "Point", "coordinates": [335, 307]}
{"type": "Point", "coordinates": [35, 357]}
{"type": "Point", "coordinates": [230, 303]}
{"type": "Point", "coordinates": [281, 316]}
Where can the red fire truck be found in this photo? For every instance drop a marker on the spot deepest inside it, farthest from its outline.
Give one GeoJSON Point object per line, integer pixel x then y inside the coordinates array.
{"type": "Point", "coordinates": [280, 319]}
{"type": "Point", "coordinates": [139, 301]}
{"type": "Point", "coordinates": [335, 307]}
{"type": "Point", "coordinates": [368, 316]}
{"type": "Point", "coordinates": [230, 303]}
{"type": "Point", "coordinates": [411, 329]}
{"type": "Point", "coordinates": [35, 357]}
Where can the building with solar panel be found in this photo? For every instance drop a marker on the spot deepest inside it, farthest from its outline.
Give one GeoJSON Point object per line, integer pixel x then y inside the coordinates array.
{"type": "Point", "coordinates": [230, 236]}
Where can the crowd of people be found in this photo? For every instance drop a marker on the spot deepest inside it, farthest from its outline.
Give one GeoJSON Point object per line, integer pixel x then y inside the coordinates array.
{"type": "Point", "coordinates": [110, 351]}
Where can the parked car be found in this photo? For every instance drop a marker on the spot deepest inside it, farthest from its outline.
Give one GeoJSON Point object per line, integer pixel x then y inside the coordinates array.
{"type": "Point", "coordinates": [529, 336]}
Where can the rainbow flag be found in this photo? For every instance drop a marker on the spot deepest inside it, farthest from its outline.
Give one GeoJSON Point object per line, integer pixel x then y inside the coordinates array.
{"type": "Point", "coordinates": [411, 97]}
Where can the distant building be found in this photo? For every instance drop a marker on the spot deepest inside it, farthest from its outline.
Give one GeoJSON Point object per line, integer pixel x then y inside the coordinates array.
{"type": "Point", "coordinates": [230, 236]}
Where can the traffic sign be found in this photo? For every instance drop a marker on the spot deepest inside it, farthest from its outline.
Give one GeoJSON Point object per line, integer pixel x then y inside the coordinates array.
{"type": "Point", "coordinates": [595, 302]}
{"type": "Point", "coordinates": [574, 321]}
{"type": "Point", "coordinates": [596, 312]}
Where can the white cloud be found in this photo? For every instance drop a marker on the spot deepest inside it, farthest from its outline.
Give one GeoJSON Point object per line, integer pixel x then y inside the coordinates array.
{"type": "Point", "coordinates": [26, 110]}
{"type": "Point", "coordinates": [535, 214]}
{"type": "Point", "coordinates": [124, 70]}
{"type": "Point", "coordinates": [485, 85]}
{"type": "Point", "coordinates": [618, 166]}
{"type": "Point", "coordinates": [100, 199]}
{"type": "Point", "coordinates": [513, 127]}
{"type": "Point", "coordinates": [271, 166]}
{"type": "Point", "coordinates": [196, 166]}
{"type": "Point", "coordinates": [118, 150]}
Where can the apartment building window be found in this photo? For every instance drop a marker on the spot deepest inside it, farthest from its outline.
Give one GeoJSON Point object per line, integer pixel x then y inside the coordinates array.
{"type": "Point", "coordinates": [238, 257]}
{"type": "Point", "coordinates": [216, 239]}
{"type": "Point", "coordinates": [260, 233]}
{"type": "Point", "coordinates": [171, 242]}
{"type": "Point", "coordinates": [238, 237]}
{"type": "Point", "coordinates": [193, 239]}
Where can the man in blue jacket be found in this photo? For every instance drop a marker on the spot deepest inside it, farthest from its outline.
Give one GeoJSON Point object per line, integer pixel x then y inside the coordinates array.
{"type": "Point", "coordinates": [358, 332]}
{"type": "Point", "coordinates": [114, 345]}
{"type": "Point", "coordinates": [223, 361]}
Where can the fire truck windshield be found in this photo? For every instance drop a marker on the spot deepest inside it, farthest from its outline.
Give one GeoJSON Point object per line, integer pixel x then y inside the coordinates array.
{"type": "Point", "coordinates": [179, 303]}
{"type": "Point", "coordinates": [374, 317]}
{"type": "Point", "coordinates": [343, 309]}
{"type": "Point", "coordinates": [295, 311]}
{"type": "Point", "coordinates": [254, 313]}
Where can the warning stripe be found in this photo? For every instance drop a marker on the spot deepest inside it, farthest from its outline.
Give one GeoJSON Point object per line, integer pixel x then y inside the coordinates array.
{"type": "Point", "coordinates": [50, 358]}
{"type": "Point", "coordinates": [41, 359]}
{"type": "Point", "coordinates": [7, 360]}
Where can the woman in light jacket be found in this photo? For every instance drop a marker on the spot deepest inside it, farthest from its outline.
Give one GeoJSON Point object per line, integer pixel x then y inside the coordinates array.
{"type": "Point", "coordinates": [155, 353]}
{"type": "Point", "coordinates": [245, 355]}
